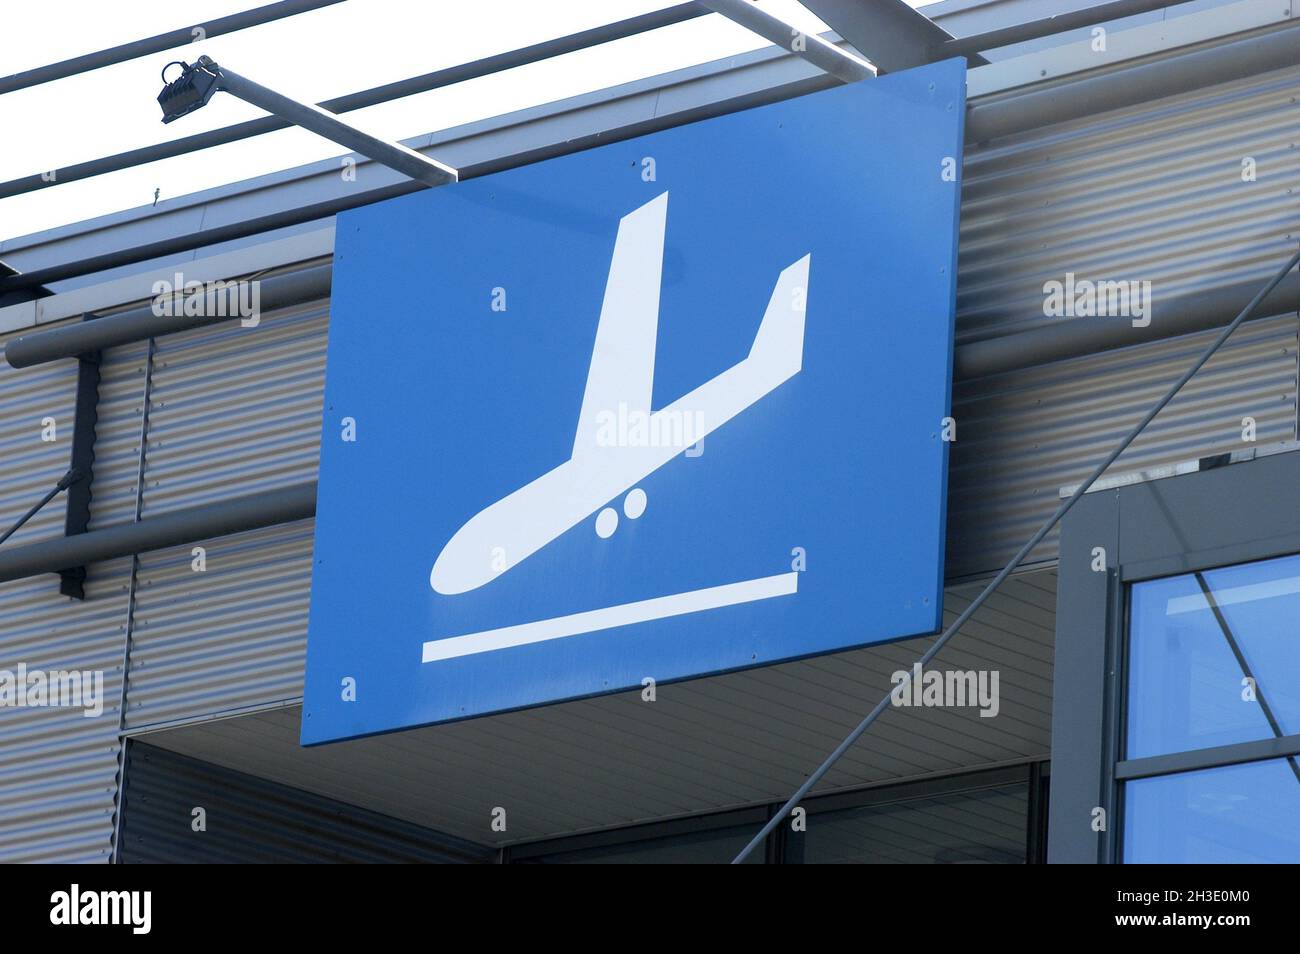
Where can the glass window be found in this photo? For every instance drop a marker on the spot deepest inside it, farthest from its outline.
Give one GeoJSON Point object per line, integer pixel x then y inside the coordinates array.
{"type": "Point", "coordinates": [1195, 639]}
{"type": "Point", "coordinates": [1240, 813]}
{"type": "Point", "coordinates": [718, 846]}
{"type": "Point", "coordinates": [983, 826]}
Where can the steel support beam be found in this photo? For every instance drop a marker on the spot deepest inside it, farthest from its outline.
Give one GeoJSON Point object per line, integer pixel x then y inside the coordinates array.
{"type": "Point", "coordinates": [156, 44]}
{"type": "Point", "coordinates": [1188, 71]}
{"type": "Point", "coordinates": [72, 579]}
{"type": "Point", "coordinates": [139, 324]}
{"type": "Point", "coordinates": [24, 294]}
{"type": "Point", "coordinates": [822, 54]}
{"type": "Point", "coordinates": [323, 210]}
{"type": "Point", "coordinates": [388, 92]}
{"type": "Point", "coordinates": [263, 509]}
{"type": "Point", "coordinates": [207, 237]}
{"type": "Point", "coordinates": [889, 33]}
{"type": "Point", "coordinates": [394, 155]}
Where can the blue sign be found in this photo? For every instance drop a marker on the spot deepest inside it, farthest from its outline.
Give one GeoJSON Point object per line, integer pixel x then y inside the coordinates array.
{"type": "Point", "coordinates": [659, 409]}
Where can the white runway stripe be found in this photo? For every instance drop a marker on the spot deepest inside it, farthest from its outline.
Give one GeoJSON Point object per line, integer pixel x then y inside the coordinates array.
{"type": "Point", "coordinates": [661, 607]}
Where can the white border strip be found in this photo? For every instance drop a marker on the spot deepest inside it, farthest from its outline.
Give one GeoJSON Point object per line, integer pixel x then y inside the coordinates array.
{"type": "Point", "coordinates": [625, 614]}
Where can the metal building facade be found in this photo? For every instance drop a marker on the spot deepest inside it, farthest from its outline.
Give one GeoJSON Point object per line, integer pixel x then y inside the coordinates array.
{"type": "Point", "coordinates": [1150, 191]}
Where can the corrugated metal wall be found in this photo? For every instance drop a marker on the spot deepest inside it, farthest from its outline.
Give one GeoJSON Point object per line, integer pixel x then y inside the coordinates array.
{"type": "Point", "coordinates": [122, 383]}
{"type": "Point", "coordinates": [58, 766]}
{"type": "Point", "coordinates": [227, 638]}
{"type": "Point", "coordinates": [232, 411]}
{"type": "Point", "coordinates": [1152, 193]}
{"type": "Point", "coordinates": [249, 820]}
{"type": "Point", "coordinates": [235, 410]}
{"type": "Point", "coordinates": [1024, 435]}
{"type": "Point", "coordinates": [29, 465]}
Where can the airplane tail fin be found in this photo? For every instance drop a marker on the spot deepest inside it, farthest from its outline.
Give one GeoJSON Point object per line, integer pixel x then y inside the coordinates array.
{"type": "Point", "coordinates": [621, 375]}
{"type": "Point", "coordinates": [778, 345]}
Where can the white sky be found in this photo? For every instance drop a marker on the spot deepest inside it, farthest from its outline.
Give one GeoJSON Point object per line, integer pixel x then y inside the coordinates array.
{"type": "Point", "coordinates": [313, 56]}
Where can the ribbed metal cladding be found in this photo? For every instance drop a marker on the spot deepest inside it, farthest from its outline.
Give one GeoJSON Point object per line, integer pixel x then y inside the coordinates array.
{"type": "Point", "coordinates": [250, 820]}
{"type": "Point", "coordinates": [234, 409]}
{"type": "Point", "coordinates": [30, 466]}
{"type": "Point", "coordinates": [1152, 193]}
{"type": "Point", "coordinates": [225, 638]}
{"type": "Point", "coordinates": [1022, 436]}
{"type": "Point", "coordinates": [122, 373]}
{"type": "Point", "coordinates": [58, 767]}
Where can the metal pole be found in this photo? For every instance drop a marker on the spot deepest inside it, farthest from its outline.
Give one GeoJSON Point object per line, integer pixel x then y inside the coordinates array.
{"type": "Point", "coordinates": [814, 49]}
{"type": "Point", "coordinates": [251, 512]}
{"type": "Point", "coordinates": [394, 155]}
{"type": "Point", "coordinates": [1016, 560]}
{"type": "Point", "coordinates": [156, 44]}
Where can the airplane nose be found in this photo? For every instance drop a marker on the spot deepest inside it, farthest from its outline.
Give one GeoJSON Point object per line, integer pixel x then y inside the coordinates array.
{"type": "Point", "coordinates": [438, 576]}
{"type": "Point", "coordinates": [452, 572]}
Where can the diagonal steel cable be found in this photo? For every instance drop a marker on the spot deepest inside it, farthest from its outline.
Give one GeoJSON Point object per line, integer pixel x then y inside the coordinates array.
{"type": "Point", "coordinates": [1016, 560]}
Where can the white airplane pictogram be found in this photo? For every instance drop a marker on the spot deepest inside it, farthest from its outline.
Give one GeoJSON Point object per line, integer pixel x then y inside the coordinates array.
{"type": "Point", "coordinates": [622, 374]}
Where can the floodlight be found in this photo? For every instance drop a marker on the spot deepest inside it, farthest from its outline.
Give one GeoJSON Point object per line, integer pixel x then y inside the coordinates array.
{"type": "Point", "coordinates": [188, 92]}
{"type": "Point", "coordinates": [196, 84]}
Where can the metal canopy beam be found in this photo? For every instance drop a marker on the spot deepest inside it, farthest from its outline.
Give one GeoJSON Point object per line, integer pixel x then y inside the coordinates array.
{"type": "Point", "coordinates": [156, 44]}
{"type": "Point", "coordinates": [198, 82]}
{"type": "Point", "coordinates": [139, 324]}
{"type": "Point", "coordinates": [984, 121]}
{"type": "Point", "coordinates": [10, 296]}
{"type": "Point", "coordinates": [264, 509]}
{"type": "Point", "coordinates": [438, 79]}
{"type": "Point", "coordinates": [889, 33]}
{"type": "Point", "coordinates": [824, 55]}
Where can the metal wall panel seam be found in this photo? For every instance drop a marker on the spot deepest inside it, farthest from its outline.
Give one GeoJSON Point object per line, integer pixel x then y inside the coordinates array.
{"type": "Point", "coordinates": [130, 608]}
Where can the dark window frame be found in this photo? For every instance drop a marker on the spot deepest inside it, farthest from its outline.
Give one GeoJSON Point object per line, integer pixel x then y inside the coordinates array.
{"type": "Point", "coordinates": [1215, 517]}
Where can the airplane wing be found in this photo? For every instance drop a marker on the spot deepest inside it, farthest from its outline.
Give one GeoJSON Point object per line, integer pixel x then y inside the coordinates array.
{"type": "Point", "coordinates": [623, 359]}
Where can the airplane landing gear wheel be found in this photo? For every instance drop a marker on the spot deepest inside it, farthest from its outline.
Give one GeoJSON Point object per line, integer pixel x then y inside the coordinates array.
{"type": "Point", "coordinates": [634, 503]}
